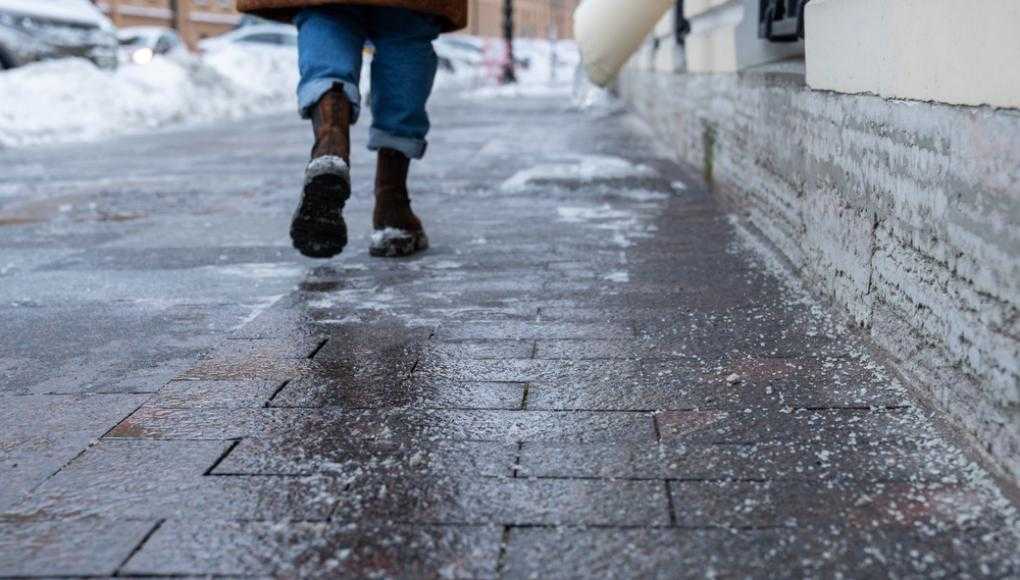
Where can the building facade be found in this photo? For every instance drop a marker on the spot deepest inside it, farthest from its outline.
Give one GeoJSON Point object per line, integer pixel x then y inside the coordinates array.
{"type": "Point", "coordinates": [198, 19]}
{"type": "Point", "coordinates": [194, 19]}
{"type": "Point", "coordinates": [532, 18]}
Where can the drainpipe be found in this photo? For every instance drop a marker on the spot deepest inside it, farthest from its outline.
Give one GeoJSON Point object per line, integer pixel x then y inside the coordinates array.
{"type": "Point", "coordinates": [509, 76]}
{"type": "Point", "coordinates": [180, 20]}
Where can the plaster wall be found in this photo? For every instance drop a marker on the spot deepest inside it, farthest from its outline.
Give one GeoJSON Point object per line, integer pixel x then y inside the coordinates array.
{"type": "Point", "coordinates": [931, 50]}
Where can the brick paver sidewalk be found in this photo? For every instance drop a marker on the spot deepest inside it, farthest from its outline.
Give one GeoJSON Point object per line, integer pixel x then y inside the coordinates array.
{"type": "Point", "coordinates": [592, 373]}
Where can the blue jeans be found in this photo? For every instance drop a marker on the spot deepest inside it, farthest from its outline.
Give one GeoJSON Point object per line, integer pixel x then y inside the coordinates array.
{"type": "Point", "coordinates": [330, 44]}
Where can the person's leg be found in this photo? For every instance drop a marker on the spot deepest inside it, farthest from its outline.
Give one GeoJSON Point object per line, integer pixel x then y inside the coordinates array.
{"type": "Point", "coordinates": [330, 43]}
{"type": "Point", "coordinates": [403, 71]}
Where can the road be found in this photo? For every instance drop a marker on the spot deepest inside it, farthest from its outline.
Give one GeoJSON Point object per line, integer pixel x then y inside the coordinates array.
{"type": "Point", "coordinates": [596, 370]}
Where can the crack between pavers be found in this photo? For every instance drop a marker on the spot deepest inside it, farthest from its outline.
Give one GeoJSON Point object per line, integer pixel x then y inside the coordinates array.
{"type": "Point", "coordinates": [91, 444]}
{"type": "Point", "coordinates": [504, 542]}
{"type": "Point", "coordinates": [269, 402]}
{"type": "Point", "coordinates": [669, 504]}
{"type": "Point", "coordinates": [517, 461]}
{"type": "Point", "coordinates": [233, 445]}
{"type": "Point", "coordinates": [140, 545]}
{"type": "Point", "coordinates": [316, 350]}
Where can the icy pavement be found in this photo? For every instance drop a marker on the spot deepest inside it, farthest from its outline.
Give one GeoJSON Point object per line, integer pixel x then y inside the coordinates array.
{"type": "Point", "coordinates": [594, 372]}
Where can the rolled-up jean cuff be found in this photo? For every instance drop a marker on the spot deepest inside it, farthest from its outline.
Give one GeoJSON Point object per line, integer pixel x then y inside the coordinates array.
{"type": "Point", "coordinates": [311, 92]}
{"type": "Point", "coordinates": [409, 146]}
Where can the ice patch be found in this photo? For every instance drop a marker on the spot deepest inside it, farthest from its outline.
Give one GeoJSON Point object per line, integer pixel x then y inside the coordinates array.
{"type": "Point", "coordinates": [256, 309]}
{"type": "Point", "coordinates": [445, 265]}
{"type": "Point", "coordinates": [574, 215]}
{"type": "Point", "coordinates": [579, 168]}
{"type": "Point", "coordinates": [620, 277]}
{"type": "Point", "coordinates": [260, 271]}
{"type": "Point", "coordinates": [640, 195]}
{"type": "Point", "coordinates": [517, 91]}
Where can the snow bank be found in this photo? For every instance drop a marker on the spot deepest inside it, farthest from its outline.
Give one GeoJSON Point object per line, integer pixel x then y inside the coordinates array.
{"type": "Point", "coordinates": [72, 100]}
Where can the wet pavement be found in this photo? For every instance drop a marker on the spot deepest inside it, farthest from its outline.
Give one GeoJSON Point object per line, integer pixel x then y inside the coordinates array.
{"type": "Point", "coordinates": [596, 371]}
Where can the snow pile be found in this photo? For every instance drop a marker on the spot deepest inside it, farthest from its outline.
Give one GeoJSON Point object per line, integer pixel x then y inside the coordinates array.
{"type": "Point", "coordinates": [72, 100]}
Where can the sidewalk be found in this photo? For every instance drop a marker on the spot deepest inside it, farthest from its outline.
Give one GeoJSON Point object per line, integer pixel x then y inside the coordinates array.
{"type": "Point", "coordinates": [594, 372]}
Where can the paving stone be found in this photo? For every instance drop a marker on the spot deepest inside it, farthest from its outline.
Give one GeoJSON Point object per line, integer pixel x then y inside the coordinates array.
{"type": "Point", "coordinates": [222, 394]}
{"type": "Point", "coordinates": [779, 382]}
{"type": "Point", "coordinates": [590, 349]}
{"type": "Point", "coordinates": [532, 330]}
{"type": "Point", "coordinates": [786, 460]}
{"type": "Point", "coordinates": [396, 425]}
{"type": "Point", "coordinates": [90, 547]}
{"type": "Point", "coordinates": [761, 384]}
{"type": "Point", "coordinates": [758, 426]}
{"type": "Point", "coordinates": [91, 349]}
{"type": "Point", "coordinates": [803, 552]}
{"type": "Point", "coordinates": [385, 340]}
{"type": "Point", "coordinates": [450, 500]}
{"type": "Point", "coordinates": [150, 480]}
{"type": "Point", "coordinates": [301, 347]}
{"type": "Point", "coordinates": [40, 433]}
{"type": "Point", "coordinates": [484, 349]}
{"type": "Point", "coordinates": [251, 368]}
{"type": "Point", "coordinates": [406, 393]}
{"type": "Point", "coordinates": [107, 258]}
{"type": "Point", "coordinates": [561, 373]}
{"type": "Point", "coordinates": [362, 550]}
{"type": "Point", "coordinates": [933, 506]}
{"type": "Point", "coordinates": [322, 455]}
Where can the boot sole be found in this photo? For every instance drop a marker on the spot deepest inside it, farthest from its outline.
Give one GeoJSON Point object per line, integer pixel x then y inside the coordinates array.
{"type": "Point", "coordinates": [399, 247]}
{"type": "Point", "coordinates": [318, 229]}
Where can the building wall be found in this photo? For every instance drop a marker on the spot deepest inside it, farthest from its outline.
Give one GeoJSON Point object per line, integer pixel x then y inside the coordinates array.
{"type": "Point", "coordinates": [197, 19]}
{"type": "Point", "coordinates": [532, 18]}
{"type": "Point", "coordinates": [204, 18]}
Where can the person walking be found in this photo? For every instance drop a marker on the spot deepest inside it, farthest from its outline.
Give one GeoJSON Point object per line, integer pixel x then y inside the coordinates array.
{"type": "Point", "coordinates": [331, 39]}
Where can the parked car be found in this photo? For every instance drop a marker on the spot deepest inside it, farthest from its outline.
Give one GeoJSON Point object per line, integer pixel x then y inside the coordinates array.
{"type": "Point", "coordinates": [32, 30]}
{"type": "Point", "coordinates": [273, 34]}
{"type": "Point", "coordinates": [140, 44]}
{"type": "Point", "coordinates": [460, 49]}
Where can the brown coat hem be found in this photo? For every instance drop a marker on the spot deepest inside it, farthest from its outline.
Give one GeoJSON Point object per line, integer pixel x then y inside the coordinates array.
{"type": "Point", "coordinates": [453, 12]}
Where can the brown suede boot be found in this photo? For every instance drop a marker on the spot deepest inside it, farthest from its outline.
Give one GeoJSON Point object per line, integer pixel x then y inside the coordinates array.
{"type": "Point", "coordinates": [398, 232]}
{"type": "Point", "coordinates": [318, 229]}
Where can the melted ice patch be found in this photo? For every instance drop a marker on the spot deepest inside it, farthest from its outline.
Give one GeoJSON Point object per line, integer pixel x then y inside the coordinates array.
{"type": "Point", "coordinates": [260, 271]}
{"type": "Point", "coordinates": [580, 168]}
{"type": "Point", "coordinates": [576, 215]}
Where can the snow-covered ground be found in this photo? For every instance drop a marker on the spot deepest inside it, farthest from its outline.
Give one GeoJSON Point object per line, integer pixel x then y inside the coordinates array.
{"type": "Point", "coordinates": [71, 100]}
